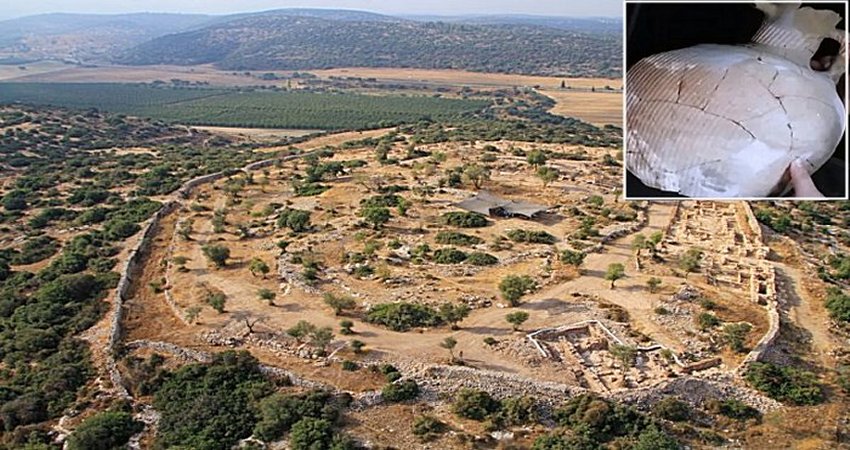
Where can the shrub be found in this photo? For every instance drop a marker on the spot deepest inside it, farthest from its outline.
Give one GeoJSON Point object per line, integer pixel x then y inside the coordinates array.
{"type": "Point", "coordinates": [481, 259]}
{"type": "Point", "coordinates": [106, 430]}
{"type": "Point", "coordinates": [217, 254]}
{"type": "Point", "coordinates": [449, 255]}
{"type": "Point", "coordinates": [838, 305]}
{"type": "Point", "coordinates": [455, 238]}
{"type": "Point", "coordinates": [516, 319]}
{"type": "Point", "coordinates": [230, 381]}
{"type": "Point", "coordinates": [349, 365]}
{"type": "Point", "coordinates": [279, 412]}
{"type": "Point", "coordinates": [734, 409]}
{"type": "Point", "coordinates": [513, 287]}
{"type": "Point", "coordinates": [385, 201]}
{"type": "Point", "coordinates": [389, 372]}
{"type": "Point", "coordinates": [707, 320]}
{"type": "Point", "coordinates": [515, 411]}
{"type": "Point", "coordinates": [376, 216]}
{"type": "Point", "coordinates": [600, 418]}
{"type": "Point", "coordinates": [474, 404]}
{"type": "Point", "coordinates": [531, 236]}
{"type": "Point", "coordinates": [36, 249]}
{"type": "Point", "coordinates": [490, 340]}
{"type": "Point", "coordinates": [708, 304]}
{"type": "Point", "coordinates": [465, 219]}
{"type": "Point", "coordinates": [339, 303]}
{"type": "Point", "coordinates": [654, 439]}
{"type": "Point", "coordinates": [401, 391]}
{"type": "Point", "coordinates": [120, 229]}
{"type": "Point", "coordinates": [428, 427]}
{"type": "Point", "coordinates": [217, 301]}
{"type": "Point", "coordinates": [294, 219]}
{"type": "Point", "coordinates": [735, 335]}
{"type": "Point", "coordinates": [310, 434]}
{"type": "Point", "coordinates": [786, 384]}
{"type": "Point", "coordinates": [673, 409]}
{"type": "Point", "coordinates": [572, 258]}
{"type": "Point", "coordinates": [403, 316]}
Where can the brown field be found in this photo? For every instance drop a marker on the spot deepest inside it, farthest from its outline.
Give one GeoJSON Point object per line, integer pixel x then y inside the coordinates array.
{"type": "Point", "coordinates": [333, 139]}
{"type": "Point", "coordinates": [598, 108]}
{"type": "Point", "coordinates": [258, 134]}
{"type": "Point", "coordinates": [136, 74]}
{"type": "Point", "coordinates": [464, 78]}
{"type": "Point", "coordinates": [8, 72]}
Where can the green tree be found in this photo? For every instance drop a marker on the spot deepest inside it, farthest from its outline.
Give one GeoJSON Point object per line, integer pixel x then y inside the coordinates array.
{"type": "Point", "coordinates": [217, 254]}
{"type": "Point", "coordinates": [639, 243]}
{"type": "Point", "coordinates": [626, 354]}
{"type": "Point", "coordinates": [572, 258]}
{"type": "Point", "coordinates": [294, 219]}
{"type": "Point", "coordinates": [311, 434]}
{"type": "Point", "coordinates": [452, 313]}
{"type": "Point", "coordinates": [377, 216]}
{"type": "Point", "coordinates": [321, 337]}
{"type": "Point", "coordinates": [689, 262]}
{"type": "Point", "coordinates": [339, 303]}
{"type": "Point", "coordinates": [547, 175]}
{"type": "Point", "coordinates": [653, 283]}
{"type": "Point", "coordinates": [536, 158]}
{"type": "Point", "coordinates": [707, 320]}
{"type": "Point", "coordinates": [474, 404]}
{"type": "Point", "coordinates": [267, 295]}
{"type": "Point", "coordinates": [357, 345]}
{"type": "Point", "coordinates": [513, 287]}
{"type": "Point", "coordinates": [476, 174]}
{"type": "Point", "coordinates": [345, 327]}
{"type": "Point", "coordinates": [614, 272]}
{"type": "Point", "coordinates": [257, 265]}
{"type": "Point", "coordinates": [104, 431]}
{"type": "Point", "coordinates": [301, 330]}
{"type": "Point", "coordinates": [652, 438]}
{"type": "Point", "coordinates": [217, 301]}
{"type": "Point", "coordinates": [516, 319]}
{"type": "Point", "coordinates": [449, 344]}
{"type": "Point", "coordinates": [400, 391]}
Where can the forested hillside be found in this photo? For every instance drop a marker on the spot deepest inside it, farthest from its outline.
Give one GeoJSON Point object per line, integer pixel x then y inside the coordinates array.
{"type": "Point", "coordinates": [281, 41]}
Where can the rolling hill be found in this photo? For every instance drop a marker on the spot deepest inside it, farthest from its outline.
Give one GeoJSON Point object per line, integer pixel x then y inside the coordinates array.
{"type": "Point", "coordinates": [86, 37]}
{"type": "Point", "coordinates": [282, 41]}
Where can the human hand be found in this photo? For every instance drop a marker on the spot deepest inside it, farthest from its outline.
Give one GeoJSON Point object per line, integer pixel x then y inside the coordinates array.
{"type": "Point", "coordinates": [802, 181]}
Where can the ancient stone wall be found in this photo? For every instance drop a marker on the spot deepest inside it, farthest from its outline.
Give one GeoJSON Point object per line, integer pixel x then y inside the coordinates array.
{"type": "Point", "coordinates": [127, 271]}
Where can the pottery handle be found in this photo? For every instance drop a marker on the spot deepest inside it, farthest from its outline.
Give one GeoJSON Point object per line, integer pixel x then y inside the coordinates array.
{"type": "Point", "coordinates": [838, 68]}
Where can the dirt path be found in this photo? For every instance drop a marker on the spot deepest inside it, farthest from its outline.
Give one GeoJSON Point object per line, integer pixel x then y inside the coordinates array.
{"type": "Point", "coordinates": [802, 307]}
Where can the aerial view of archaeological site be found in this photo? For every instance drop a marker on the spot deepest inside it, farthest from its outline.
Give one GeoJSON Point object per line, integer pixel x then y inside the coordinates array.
{"type": "Point", "coordinates": [296, 226]}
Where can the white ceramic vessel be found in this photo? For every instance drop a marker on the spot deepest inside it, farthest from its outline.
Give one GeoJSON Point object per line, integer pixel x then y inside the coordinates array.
{"type": "Point", "coordinates": [715, 121]}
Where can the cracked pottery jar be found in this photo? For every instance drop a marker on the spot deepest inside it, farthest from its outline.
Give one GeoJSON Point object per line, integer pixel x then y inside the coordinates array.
{"type": "Point", "coordinates": [717, 121]}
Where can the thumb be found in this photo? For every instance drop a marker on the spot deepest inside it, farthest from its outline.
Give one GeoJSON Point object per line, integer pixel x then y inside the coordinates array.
{"type": "Point", "coordinates": [802, 181]}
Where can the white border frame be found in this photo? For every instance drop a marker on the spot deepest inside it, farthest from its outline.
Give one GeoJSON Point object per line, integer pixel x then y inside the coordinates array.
{"type": "Point", "coordinates": [846, 4]}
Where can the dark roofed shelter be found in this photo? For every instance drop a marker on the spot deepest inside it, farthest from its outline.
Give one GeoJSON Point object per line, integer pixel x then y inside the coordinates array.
{"type": "Point", "coordinates": [492, 205]}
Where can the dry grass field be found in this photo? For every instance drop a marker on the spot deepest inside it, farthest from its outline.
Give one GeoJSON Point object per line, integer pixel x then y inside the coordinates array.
{"type": "Point", "coordinates": [465, 78]}
{"type": "Point", "coordinates": [135, 74]}
{"type": "Point", "coordinates": [598, 108]}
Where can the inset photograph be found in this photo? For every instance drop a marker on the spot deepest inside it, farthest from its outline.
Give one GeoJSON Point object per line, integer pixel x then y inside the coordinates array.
{"type": "Point", "coordinates": [736, 100]}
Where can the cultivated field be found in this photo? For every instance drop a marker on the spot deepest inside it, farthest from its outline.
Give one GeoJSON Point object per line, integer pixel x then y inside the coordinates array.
{"type": "Point", "coordinates": [599, 108]}
{"type": "Point", "coordinates": [464, 78]}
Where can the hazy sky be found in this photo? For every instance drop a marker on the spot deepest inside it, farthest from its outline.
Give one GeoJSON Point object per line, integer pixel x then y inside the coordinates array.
{"type": "Point", "coordinates": [576, 8]}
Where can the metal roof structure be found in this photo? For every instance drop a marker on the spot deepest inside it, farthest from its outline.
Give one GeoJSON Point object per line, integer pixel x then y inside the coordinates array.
{"type": "Point", "coordinates": [489, 204]}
